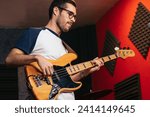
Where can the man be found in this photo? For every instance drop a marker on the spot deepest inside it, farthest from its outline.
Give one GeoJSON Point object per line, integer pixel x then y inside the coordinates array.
{"type": "Point", "coordinates": [45, 43]}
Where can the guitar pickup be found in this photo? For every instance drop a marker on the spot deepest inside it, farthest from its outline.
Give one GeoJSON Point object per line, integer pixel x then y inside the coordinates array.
{"type": "Point", "coordinates": [37, 80]}
{"type": "Point", "coordinates": [47, 80]}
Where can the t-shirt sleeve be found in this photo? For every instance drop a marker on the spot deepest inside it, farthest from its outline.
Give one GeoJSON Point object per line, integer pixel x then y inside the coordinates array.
{"type": "Point", "coordinates": [27, 41]}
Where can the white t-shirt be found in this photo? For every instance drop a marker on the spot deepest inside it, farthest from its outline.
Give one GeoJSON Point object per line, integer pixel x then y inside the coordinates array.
{"type": "Point", "coordinates": [51, 47]}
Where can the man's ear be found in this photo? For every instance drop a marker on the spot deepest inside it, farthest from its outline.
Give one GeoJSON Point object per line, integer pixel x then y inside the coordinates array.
{"type": "Point", "coordinates": [56, 11]}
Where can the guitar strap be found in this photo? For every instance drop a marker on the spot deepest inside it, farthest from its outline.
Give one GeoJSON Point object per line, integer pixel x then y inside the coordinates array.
{"type": "Point", "coordinates": [70, 50]}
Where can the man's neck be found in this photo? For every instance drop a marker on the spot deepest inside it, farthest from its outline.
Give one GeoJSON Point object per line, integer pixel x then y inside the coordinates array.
{"type": "Point", "coordinates": [53, 26]}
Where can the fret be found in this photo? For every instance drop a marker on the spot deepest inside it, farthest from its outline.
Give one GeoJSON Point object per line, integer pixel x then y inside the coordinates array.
{"type": "Point", "coordinates": [70, 69]}
{"type": "Point", "coordinates": [81, 67]}
{"type": "Point", "coordinates": [73, 68]}
{"type": "Point", "coordinates": [105, 59]}
{"type": "Point", "coordinates": [84, 65]}
{"type": "Point", "coordinates": [113, 56]}
{"type": "Point", "coordinates": [91, 63]}
{"type": "Point", "coordinates": [109, 57]}
{"type": "Point", "coordinates": [102, 59]}
{"type": "Point", "coordinates": [88, 64]}
{"type": "Point", "coordinates": [116, 55]}
{"type": "Point", "coordinates": [77, 67]}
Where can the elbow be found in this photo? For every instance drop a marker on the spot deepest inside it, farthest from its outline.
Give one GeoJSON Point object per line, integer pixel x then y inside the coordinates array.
{"type": "Point", "coordinates": [8, 61]}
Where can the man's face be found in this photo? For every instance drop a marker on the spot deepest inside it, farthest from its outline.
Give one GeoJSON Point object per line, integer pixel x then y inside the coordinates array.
{"type": "Point", "coordinates": [66, 17]}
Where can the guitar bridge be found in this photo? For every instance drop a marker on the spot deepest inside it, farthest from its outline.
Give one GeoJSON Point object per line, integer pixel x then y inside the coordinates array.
{"type": "Point", "coordinates": [54, 91]}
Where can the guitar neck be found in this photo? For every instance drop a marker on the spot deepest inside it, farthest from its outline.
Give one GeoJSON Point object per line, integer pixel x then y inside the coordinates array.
{"type": "Point", "coordinates": [73, 69]}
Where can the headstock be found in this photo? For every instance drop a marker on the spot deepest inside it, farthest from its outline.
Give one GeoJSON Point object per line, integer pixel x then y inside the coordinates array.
{"type": "Point", "coordinates": [124, 53]}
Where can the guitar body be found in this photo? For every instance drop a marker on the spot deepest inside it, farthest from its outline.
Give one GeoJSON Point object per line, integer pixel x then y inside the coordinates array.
{"type": "Point", "coordinates": [50, 87]}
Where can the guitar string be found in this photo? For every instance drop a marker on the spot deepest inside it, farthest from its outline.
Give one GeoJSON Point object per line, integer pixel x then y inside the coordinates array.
{"type": "Point", "coordinates": [63, 74]}
{"type": "Point", "coordinates": [71, 67]}
{"type": "Point", "coordinates": [62, 71]}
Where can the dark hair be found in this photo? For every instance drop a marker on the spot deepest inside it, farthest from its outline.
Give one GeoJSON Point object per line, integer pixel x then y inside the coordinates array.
{"type": "Point", "coordinates": [59, 3]}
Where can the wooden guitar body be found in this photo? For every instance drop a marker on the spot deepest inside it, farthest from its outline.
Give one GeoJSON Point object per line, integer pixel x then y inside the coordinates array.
{"type": "Point", "coordinates": [42, 86]}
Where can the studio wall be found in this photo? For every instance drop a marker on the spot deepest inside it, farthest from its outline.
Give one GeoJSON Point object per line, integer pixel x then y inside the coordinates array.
{"type": "Point", "coordinates": [120, 21]}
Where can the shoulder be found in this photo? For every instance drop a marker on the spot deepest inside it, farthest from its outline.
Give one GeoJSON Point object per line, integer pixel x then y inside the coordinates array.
{"type": "Point", "coordinates": [32, 32]}
{"type": "Point", "coordinates": [28, 39]}
{"type": "Point", "coordinates": [34, 29]}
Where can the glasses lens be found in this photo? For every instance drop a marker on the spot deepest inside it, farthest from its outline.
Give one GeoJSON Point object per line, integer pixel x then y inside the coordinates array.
{"type": "Point", "coordinates": [70, 13]}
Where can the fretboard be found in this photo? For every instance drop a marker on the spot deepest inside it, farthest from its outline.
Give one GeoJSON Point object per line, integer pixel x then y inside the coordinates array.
{"type": "Point", "coordinates": [73, 69]}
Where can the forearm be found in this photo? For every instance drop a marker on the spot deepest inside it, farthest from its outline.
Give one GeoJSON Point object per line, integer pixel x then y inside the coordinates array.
{"type": "Point", "coordinates": [84, 73]}
{"type": "Point", "coordinates": [79, 76]}
{"type": "Point", "coordinates": [18, 60]}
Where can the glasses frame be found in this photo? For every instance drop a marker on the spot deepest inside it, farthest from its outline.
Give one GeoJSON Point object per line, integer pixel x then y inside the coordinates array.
{"type": "Point", "coordinates": [70, 13]}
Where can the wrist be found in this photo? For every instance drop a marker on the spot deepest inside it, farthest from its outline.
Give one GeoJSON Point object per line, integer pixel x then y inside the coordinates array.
{"type": "Point", "coordinates": [36, 57]}
{"type": "Point", "coordinates": [82, 74]}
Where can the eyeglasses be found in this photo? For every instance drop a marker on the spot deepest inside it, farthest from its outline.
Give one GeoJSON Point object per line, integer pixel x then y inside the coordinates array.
{"type": "Point", "coordinates": [70, 13]}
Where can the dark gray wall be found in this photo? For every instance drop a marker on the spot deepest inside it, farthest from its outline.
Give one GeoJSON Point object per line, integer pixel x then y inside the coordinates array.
{"type": "Point", "coordinates": [8, 75]}
{"type": "Point", "coordinates": [8, 38]}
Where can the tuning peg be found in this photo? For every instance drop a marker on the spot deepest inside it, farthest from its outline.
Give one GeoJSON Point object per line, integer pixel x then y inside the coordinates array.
{"type": "Point", "coordinates": [116, 48]}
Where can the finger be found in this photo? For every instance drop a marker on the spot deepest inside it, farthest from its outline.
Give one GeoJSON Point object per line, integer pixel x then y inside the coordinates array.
{"type": "Point", "coordinates": [98, 68]}
{"type": "Point", "coordinates": [44, 71]}
{"type": "Point", "coordinates": [102, 63]}
{"type": "Point", "coordinates": [95, 68]}
{"type": "Point", "coordinates": [97, 62]}
{"type": "Point", "coordinates": [51, 69]}
{"type": "Point", "coordinates": [95, 58]}
{"type": "Point", "coordinates": [48, 72]}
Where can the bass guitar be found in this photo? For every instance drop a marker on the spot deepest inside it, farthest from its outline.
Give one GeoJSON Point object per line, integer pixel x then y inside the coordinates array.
{"type": "Point", "coordinates": [49, 87]}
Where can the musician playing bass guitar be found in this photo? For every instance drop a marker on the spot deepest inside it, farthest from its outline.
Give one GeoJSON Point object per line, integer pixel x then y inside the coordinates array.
{"type": "Point", "coordinates": [40, 44]}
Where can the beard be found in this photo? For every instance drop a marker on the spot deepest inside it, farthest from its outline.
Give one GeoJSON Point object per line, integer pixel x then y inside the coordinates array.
{"type": "Point", "coordinates": [64, 27]}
